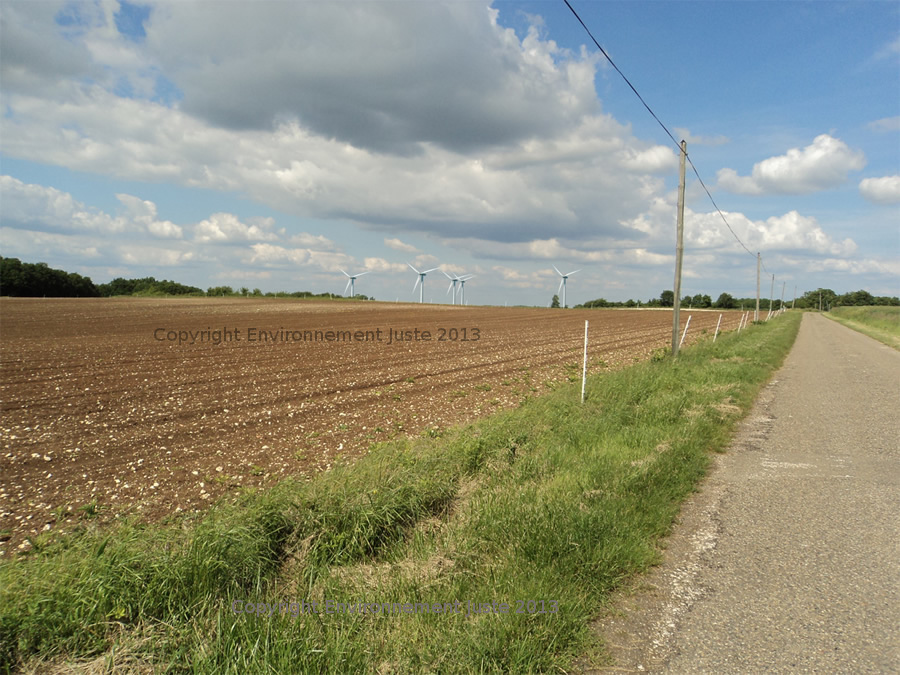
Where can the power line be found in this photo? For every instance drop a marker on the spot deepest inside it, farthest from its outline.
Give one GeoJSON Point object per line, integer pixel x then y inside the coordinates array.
{"type": "Point", "coordinates": [627, 81]}
{"type": "Point", "coordinates": [664, 128]}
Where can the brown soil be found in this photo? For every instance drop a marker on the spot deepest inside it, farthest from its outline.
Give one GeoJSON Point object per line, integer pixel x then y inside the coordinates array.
{"type": "Point", "coordinates": [97, 411]}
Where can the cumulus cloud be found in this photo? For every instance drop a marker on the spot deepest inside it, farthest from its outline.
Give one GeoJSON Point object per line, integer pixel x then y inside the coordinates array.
{"type": "Point", "coordinates": [154, 256]}
{"type": "Point", "coordinates": [274, 255]}
{"type": "Point", "coordinates": [39, 207]}
{"type": "Point", "coordinates": [144, 213]}
{"type": "Point", "coordinates": [227, 228]}
{"type": "Point", "coordinates": [26, 205]}
{"type": "Point", "coordinates": [397, 245]}
{"type": "Point", "coordinates": [370, 75]}
{"type": "Point", "coordinates": [791, 231]}
{"type": "Point", "coordinates": [484, 132]}
{"type": "Point", "coordinates": [884, 190]}
{"type": "Point", "coordinates": [821, 165]}
{"type": "Point", "coordinates": [887, 268]}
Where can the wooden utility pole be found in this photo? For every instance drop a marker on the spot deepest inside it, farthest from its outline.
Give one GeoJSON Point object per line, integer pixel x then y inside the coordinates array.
{"type": "Point", "coordinates": [783, 286]}
{"type": "Point", "coordinates": [679, 251]}
{"type": "Point", "coordinates": [756, 313]}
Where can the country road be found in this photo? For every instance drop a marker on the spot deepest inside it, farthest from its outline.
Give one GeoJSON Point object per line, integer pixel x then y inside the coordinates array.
{"type": "Point", "coordinates": [788, 558]}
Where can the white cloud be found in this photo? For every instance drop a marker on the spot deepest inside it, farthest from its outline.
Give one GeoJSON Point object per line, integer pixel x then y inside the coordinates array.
{"type": "Point", "coordinates": [706, 231]}
{"type": "Point", "coordinates": [885, 124]}
{"type": "Point", "coordinates": [884, 190]}
{"type": "Point", "coordinates": [143, 213]}
{"type": "Point", "coordinates": [46, 208]}
{"type": "Point", "coordinates": [144, 255]}
{"type": "Point", "coordinates": [491, 135]}
{"type": "Point", "coordinates": [397, 245]}
{"type": "Point", "coordinates": [382, 265]}
{"type": "Point", "coordinates": [273, 255]}
{"type": "Point", "coordinates": [821, 165]}
{"type": "Point", "coordinates": [226, 227]}
{"type": "Point", "coordinates": [888, 268]}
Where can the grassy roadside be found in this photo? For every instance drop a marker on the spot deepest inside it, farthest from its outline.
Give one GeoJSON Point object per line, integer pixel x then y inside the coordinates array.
{"type": "Point", "coordinates": [881, 323]}
{"type": "Point", "coordinates": [545, 508]}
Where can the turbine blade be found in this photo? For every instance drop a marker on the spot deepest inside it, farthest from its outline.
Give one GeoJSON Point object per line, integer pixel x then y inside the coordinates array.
{"type": "Point", "coordinates": [446, 275]}
{"type": "Point", "coordinates": [413, 268]}
{"type": "Point", "coordinates": [557, 271]}
{"type": "Point", "coordinates": [361, 273]}
{"type": "Point", "coordinates": [416, 285]}
{"type": "Point", "coordinates": [348, 285]}
{"type": "Point", "coordinates": [571, 273]}
{"type": "Point", "coordinates": [450, 285]}
{"type": "Point", "coordinates": [345, 274]}
{"type": "Point", "coordinates": [431, 270]}
{"type": "Point", "coordinates": [561, 282]}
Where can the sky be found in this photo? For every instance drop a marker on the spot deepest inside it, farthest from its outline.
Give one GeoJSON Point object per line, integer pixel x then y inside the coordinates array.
{"type": "Point", "coordinates": [270, 145]}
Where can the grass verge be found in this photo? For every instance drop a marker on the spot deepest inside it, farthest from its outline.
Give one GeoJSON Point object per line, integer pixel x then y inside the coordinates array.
{"type": "Point", "coordinates": [516, 528]}
{"type": "Point", "coordinates": [881, 323]}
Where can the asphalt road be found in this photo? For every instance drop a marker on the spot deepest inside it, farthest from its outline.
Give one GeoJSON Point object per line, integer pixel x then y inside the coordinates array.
{"type": "Point", "coordinates": [788, 560]}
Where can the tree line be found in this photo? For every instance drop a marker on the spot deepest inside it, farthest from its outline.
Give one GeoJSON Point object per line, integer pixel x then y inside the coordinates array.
{"type": "Point", "coordinates": [809, 300]}
{"type": "Point", "coordinates": [38, 280]}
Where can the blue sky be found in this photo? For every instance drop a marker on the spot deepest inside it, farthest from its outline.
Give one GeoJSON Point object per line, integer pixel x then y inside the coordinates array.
{"type": "Point", "coordinates": [271, 144]}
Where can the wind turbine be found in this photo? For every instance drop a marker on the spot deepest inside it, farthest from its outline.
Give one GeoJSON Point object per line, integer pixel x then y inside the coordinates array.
{"type": "Point", "coordinates": [351, 283]}
{"type": "Point", "coordinates": [562, 284]}
{"type": "Point", "coordinates": [420, 282]}
{"type": "Point", "coordinates": [462, 287]}
{"type": "Point", "coordinates": [453, 281]}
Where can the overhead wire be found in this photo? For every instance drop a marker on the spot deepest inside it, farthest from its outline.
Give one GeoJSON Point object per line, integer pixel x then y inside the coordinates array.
{"type": "Point", "coordinates": [664, 128]}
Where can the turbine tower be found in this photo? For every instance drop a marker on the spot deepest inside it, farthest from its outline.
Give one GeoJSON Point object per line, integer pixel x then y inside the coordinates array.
{"type": "Point", "coordinates": [462, 287]}
{"type": "Point", "coordinates": [562, 284]}
{"type": "Point", "coordinates": [351, 284]}
{"type": "Point", "coordinates": [420, 282]}
{"type": "Point", "coordinates": [453, 281]}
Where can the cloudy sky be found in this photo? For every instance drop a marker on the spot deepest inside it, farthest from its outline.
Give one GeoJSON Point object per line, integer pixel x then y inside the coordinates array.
{"type": "Point", "coordinates": [271, 144]}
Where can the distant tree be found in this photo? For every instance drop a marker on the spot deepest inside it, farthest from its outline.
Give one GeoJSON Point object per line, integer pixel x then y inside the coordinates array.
{"type": "Point", "coordinates": [630, 303]}
{"type": "Point", "coordinates": [220, 290]}
{"type": "Point", "coordinates": [725, 301]}
{"type": "Point", "coordinates": [555, 302]}
{"type": "Point", "coordinates": [667, 299]}
{"type": "Point", "coordinates": [856, 298]}
{"type": "Point", "coordinates": [810, 299]}
{"type": "Point", "coordinates": [245, 291]}
{"type": "Point", "coordinates": [39, 279]}
{"type": "Point", "coordinates": [257, 293]}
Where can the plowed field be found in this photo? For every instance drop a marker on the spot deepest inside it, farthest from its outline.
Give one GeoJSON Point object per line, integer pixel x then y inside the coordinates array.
{"type": "Point", "coordinates": [154, 406]}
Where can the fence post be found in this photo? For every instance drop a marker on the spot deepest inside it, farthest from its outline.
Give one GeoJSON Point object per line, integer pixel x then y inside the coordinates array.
{"type": "Point", "coordinates": [718, 323]}
{"type": "Point", "coordinates": [685, 331]}
{"type": "Point", "coordinates": [584, 363]}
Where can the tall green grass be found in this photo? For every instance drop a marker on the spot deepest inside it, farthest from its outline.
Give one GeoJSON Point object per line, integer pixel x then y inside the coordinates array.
{"type": "Point", "coordinates": [881, 323]}
{"type": "Point", "coordinates": [554, 503]}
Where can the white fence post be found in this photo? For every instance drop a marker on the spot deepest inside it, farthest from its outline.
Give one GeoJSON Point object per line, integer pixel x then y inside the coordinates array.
{"type": "Point", "coordinates": [685, 331]}
{"type": "Point", "coordinates": [584, 363]}
{"type": "Point", "coordinates": [718, 323]}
